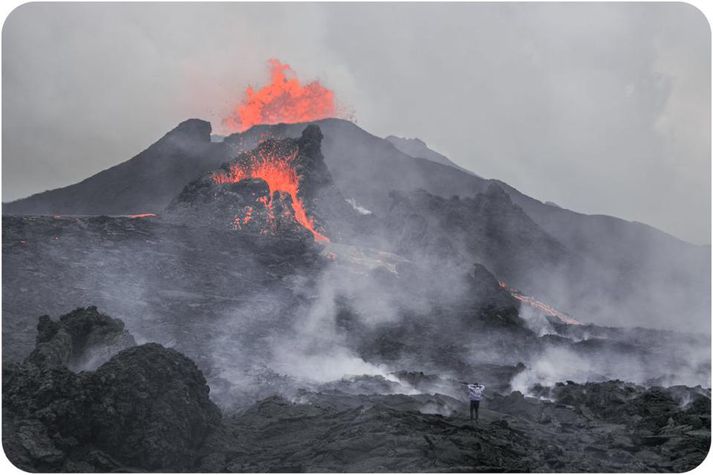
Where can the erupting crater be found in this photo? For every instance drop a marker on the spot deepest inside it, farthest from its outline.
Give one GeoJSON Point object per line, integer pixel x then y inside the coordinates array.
{"type": "Point", "coordinates": [276, 168]}
{"type": "Point", "coordinates": [281, 188]}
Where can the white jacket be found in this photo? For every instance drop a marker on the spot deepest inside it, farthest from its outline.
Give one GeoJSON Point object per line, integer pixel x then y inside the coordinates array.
{"type": "Point", "coordinates": [475, 391]}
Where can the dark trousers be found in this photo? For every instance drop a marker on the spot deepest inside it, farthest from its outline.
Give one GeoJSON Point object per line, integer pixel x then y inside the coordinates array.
{"type": "Point", "coordinates": [474, 405]}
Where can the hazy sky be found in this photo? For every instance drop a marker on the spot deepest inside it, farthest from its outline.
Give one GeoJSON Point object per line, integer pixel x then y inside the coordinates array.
{"type": "Point", "coordinates": [601, 108]}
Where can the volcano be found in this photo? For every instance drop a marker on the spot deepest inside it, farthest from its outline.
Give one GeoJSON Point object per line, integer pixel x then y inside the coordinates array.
{"type": "Point", "coordinates": [600, 267]}
{"type": "Point", "coordinates": [314, 278]}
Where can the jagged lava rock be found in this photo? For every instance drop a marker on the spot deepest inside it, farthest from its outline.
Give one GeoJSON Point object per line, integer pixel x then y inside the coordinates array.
{"type": "Point", "coordinates": [146, 408]}
{"type": "Point", "coordinates": [81, 339]}
{"type": "Point", "coordinates": [250, 205]}
{"type": "Point", "coordinates": [151, 407]}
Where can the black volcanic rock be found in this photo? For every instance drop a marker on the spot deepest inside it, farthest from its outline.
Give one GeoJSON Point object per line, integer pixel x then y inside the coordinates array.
{"type": "Point", "coordinates": [246, 206]}
{"type": "Point", "coordinates": [224, 297]}
{"type": "Point", "coordinates": [251, 206]}
{"type": "Point", "coordinates": [311, 167]}
{"type": "Point", "coordinates": [334, 431]}
{"type": "Point", "coordinates": [81, 339]}
{"type": "Point", "coordinates": [146, 408]}
{"type": "Point", "coordinates": [489, 228]}
{"type": "Point", "coordinates": [157, 276]}
{"type": "Point", "coordinates": [440, 311]}
{"type": "Point", "coordinates": [491, 300]}
{"type": "Point", "coordinates": [151, 408]}
{"type": "Point", "coordinates": [44, 412]}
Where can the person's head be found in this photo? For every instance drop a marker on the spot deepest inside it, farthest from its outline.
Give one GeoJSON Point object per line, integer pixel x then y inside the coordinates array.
{"type": "Point", "coordinates": [477, 383]}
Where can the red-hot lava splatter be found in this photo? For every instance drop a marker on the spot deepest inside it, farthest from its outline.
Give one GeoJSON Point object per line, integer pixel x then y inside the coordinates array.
{"type": "Point", "coordinates": [141, 215]}
{"type": "Point", "coordinates": [277, 171]}
{"type": "Point", "coordinates": [541, 306]}
{"type": "Point", "coordinates": [285, 99]}
{"type": "Point", "coordinates": [239, 221]}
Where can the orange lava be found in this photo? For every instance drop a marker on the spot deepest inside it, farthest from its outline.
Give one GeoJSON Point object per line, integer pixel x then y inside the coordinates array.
{"type": "Point", "coordinates": [284, 100]}
{"type": "Point", "coordinates": [141, 215]}
{"type": "Point", "coordinates": [541, 306]}
{"type": "Point", "coordinates": [239, 221]}
{"type": "Point", "coordinates": [278, 173]}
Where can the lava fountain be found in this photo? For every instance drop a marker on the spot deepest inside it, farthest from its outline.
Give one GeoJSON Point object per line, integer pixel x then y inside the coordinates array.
{"type": "Point", "coordinates": [285, 99]}
{"type": "Point", "coordinates": [277, 170]}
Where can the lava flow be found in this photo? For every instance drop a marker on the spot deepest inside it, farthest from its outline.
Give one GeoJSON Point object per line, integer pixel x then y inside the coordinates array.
{"type": "Point", "coordinates": [541, 306]}
{"type": "Point", "coordinates": [285, 99]}
{"type": "Point", "coordinates": [277, 171]}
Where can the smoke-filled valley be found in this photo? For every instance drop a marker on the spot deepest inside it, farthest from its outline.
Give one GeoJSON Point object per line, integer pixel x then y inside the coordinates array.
{"type": "Point", "coordinates": [334, 289]}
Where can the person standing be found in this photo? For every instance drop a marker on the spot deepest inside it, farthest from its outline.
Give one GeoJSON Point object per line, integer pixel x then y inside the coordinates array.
{"type": "Point", "coordinates": [475, 394]}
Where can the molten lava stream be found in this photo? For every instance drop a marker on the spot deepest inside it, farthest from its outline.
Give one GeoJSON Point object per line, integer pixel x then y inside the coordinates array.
{"type": "Point", "coordinates": [279, 175]}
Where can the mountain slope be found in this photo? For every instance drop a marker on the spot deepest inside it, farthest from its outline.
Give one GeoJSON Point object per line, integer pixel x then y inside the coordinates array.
{"type": "Point", "coordinates": [366, 167]}
{"type": "Point", "coordinates": [632, 273]}
{"type": "Point", "coordinates": [488, 228]}
{"type": "Point", "coordinates": [145, 183]}
{"type": "Point", "coordinates": [417, 148]}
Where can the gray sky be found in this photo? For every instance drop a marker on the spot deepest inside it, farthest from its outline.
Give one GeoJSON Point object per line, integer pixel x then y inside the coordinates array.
{"type": "Point", "coordinates": [601, 108]}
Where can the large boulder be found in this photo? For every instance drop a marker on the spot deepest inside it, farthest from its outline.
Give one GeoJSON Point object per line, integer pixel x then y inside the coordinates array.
{"type": "Point", "coordinates": [151, 408]}
{"type": "Point", "coordinates": [146, 408]}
